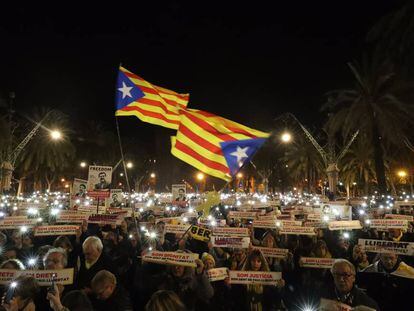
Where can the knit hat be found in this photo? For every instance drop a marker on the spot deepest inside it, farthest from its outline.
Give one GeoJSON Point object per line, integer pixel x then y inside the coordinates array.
{"type": "Point", "coordinates": [206, 256]}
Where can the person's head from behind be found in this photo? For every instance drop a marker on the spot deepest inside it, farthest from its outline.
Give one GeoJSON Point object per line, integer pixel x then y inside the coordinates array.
{"type": "Point", "coordinates": [12, 264]}
{"type": "Point", "coordinates": [103, 284]}
{"type": "Point", "coordinates": [55, 259]}
{"type": "Point", "coordinates": [63, 242]}
{"type": "Point", "coordinates": [388, 260]}
{"type": "Point", "coordinates": [165, 300]}
{"type": "Point", "coordinates": [77, 300]}
{"type": "Point", "coordinates": [25, 291]}
{"type": "Point", "coordinates": [343, 273]}
{"type": "Point", "coordinates": [92, 249]}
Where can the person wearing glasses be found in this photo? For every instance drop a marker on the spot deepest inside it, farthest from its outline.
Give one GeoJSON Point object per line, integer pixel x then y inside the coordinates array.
{"type": "Point", "coordinates": [344, 289]}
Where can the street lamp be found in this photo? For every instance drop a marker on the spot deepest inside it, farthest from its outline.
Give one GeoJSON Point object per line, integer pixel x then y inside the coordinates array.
{"type": "Point", "coordinates": [83, 164]}
{"type": "Point", "coordinates": [55, 135]}
{"type": "Point", "coordinates": [239, 175]}
{"type": "Point", "coordinates": [129, 165]}
{"type": "Point", "coordinates": [402, 173]}
{"type": "Point", "coordinates": [200, 176]}
{"type": "Point", "coordinates": [152, 175]}
{"type": "Point", "coordinates": [286, 137]}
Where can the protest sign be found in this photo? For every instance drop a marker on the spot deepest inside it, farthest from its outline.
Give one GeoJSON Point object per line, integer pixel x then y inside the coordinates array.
{"type": "Point", "coordinates": [178, 193]}
{"type": "Point", "coordinates": [314, 216]}
{"type": "Point", "coordinates": [79, 188]}
{"type": "Point", "coordinates": [233, 242]}
{"type": "Point", "coordinates": [15, 222]}
{"type": "Point", "coordinates": [169, 220]}
{"type": "Point", "coordinates": [385, 224]}
{"type": "Point", "coordinates": [399, 216]}
{"type": "Point", "coordinates": [332, 305]}
{"type": "Point", "coordinates": [380, 246]}
{"type": "Point", "coordinates": [344, 225]}
{"type": "Point", "coordinates": [109, 219]}
{"type": "Point", "coordinates": [243, 215]}
{"type": "Point", "coordinates": [230, 231]}
{"type": "Point", "coordinates": [271, 224]}
{"type": "Point", "coordinates": [99, 194]}
{"type": "Point", "coordinates": [115, 199]}
{"type": "Point", "coordinates": [71, 217]}
{"type": "Point", "coordinates": [254, 277]}
{"type": "Point", "coordinates": [171, 258]}
{"type": "Point", "coordinates": [200, 233]}
{"type": "Point", "coordinates": [272, 252]}
{"type": "Point", "coordinates": [297, 230]}
{"type": "Point", "coordinates": [314, 262]}
{"type": "Point", "coordinates": [99, 178]}
{"type": "Point", "coordinates": [217, 274]}
{"type": "Point", "coordinates": [181, 229]}
{"type": "Point", "coordinates": [290, 223]}
{"type": "Point", "coordinates": [123, 212]}
{"type": "Point", "coordinates": [43, 277]}
{"type": "Point", "coordinates": [55, 230]}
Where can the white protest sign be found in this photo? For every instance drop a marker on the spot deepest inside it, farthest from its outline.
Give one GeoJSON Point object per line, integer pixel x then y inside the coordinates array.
{"type": "Point", "coordinates": [314, 262]}
{"type": "Point", "coordinates": [344, 225]}
{"type": "Point", "coordinates": [297, 230]}
{"type": "Point", "coordinates": [79, 188]}
{"type": "Point", "coordinates": [217, 274]}
{"type": "Point", "coordinates": [230, 231]}
{"type": "Point", "coordinates": [233, 242]}
{"type": "Point", "coordinates": [43, 277]}
{"type": "Point", "coordinates": [99, 177]}
{"type": "Point", "coordinates": [332, 305]}
{"type": "Point", "coordinates": [123, 212]}
{"type": "Point", "coordinates": [272, 252]}
{"type": "Point", "coordinates": [171, 258]}
{"type": "Point", "coordinates": [314, 216]}
{"type": "Point", "coordinates": [291, 223]}
{"type": "Point", "coordinates": [178, 192]}
{"type": "Point", "coordinates": [71, 217]}
{"type": "Point", "coordinates": [271, 224]}
{"type": "Point", "coordinates": [399, 216]}
{"type": "Point", "coordinates": [254, 277]}
{"type": "Point", "coordinates": [109, 219]}
{"type": "Point", "coordinates": [181, 229]}
{"type": "Point", "coordinates": [243, 215]}
{"type": "Point", "coordinates": [15, 222]}
{"type": "Point", "coordinates": [380, 246]}
{"type": "Point", "coordinates": [385, 224]}
{"type": "Point", "coordinates": [116, 198]}
{"type": "Point", "coordinates": [55, 230]}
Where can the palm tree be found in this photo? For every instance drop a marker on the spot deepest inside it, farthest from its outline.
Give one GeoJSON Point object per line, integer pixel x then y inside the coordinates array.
{"type": "Point", "coordinates": [43, 158]}
{"type": "Point", "coordinates": [376, 107]}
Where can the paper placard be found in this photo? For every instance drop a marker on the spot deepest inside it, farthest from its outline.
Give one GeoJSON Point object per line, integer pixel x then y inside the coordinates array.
{"type": "Point", "coordinates": [385, 224]}
{"type": "Point", "coordinates": [272, 252]}
{"type": "Point", "coordinates": [55, 230]}
{"type": "Point", "coordinates": [99, 194]}
{"type": "Point", "coordinates": [332, 305]}
{"type": "Point", "coordinates": [71, 217]}
{"type": "Point", "coordinates": [344, 225]}
{"type": "Point", "coordinates": [380, 246]}
{"type": "Point", "coordinates": [233, 242]}
{"type": "Point", "coordinates": [271, 224]}
{"type": "Point", "coordinates": [217, 274]}
{"type": "Point", "coordinates": [43, 277]}
{"type": "Point", "coordinates": [298, 230]}
{"type": "Point", "coordinates": [254, 277]}
{"type": "Point", "coordinates": [314, 262]}
{"type": "Point", "coordinates": [104, 219]}
{"type": "Point", "coordinates": [243, 215]}
{"type": "Point", "coordinates": [291, 223]}
{"type": "Point", "coordinates": [14, 222]}
{"type": "Point", "coordinates": [169, 220]}
{"type": "Point", "coordinates": [314, 216]}
{"type": "Point", "coordinates": [200, 233]}
{"type": "Point", "coordinates": [230, 231]}
{"type": "Point", "coordinates": [171, 258]}
{"type": "Point", "coordinates": [124, 211]}
{"type": "Point", "coordinates": [399, 216]}
{"type": "Point", "coordinates": [181, 229]}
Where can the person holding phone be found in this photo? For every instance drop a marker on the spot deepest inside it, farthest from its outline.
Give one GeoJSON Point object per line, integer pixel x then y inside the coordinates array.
{"type": "Point", "coordinates": [21, 296]}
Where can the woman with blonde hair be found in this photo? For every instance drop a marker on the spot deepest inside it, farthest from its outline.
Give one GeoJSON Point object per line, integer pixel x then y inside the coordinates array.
{"type": "Point", "coordinates": [165, 300]}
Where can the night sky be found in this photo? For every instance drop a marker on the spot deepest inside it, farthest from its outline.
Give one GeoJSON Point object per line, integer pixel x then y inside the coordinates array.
{"type": "Point", "coordinates": [247, 62]}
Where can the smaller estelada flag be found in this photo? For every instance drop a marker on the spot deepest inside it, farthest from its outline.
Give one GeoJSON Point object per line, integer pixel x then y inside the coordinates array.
{"type": "Point", "coordinates": [148, 102]}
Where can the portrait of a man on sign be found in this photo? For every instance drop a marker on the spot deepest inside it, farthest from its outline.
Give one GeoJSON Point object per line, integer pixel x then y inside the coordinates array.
{"type": "Point", "coordinates": [99, 178]}
{"type": "Point", "coordinates": [115, 201]}
{"type": "Point", "coordinates": [81, 191]}
{"type": "Point", "coordinates": [102, 184]}
{"type": "Point", "coordinates": [181, 195]}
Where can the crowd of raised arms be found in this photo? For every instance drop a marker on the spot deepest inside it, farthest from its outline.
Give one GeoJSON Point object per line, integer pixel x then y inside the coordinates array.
{"type": "Point", "coordinates": [112, 269]}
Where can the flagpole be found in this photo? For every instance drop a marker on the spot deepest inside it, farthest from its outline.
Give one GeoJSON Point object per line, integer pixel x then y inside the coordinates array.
{"type": "Point", "coordinates": [122, 154]}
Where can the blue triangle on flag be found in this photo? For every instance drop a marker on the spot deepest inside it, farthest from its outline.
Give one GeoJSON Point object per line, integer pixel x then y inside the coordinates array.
{"type": "Point", "coordinates": [237, 152]}
{"type": "Point", "coordinates": [126, 91]}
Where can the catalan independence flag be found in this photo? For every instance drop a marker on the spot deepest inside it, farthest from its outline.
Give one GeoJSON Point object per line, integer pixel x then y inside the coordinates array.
{"type": "Point", "coordinates": [215, 145]}
{"type": "Point", "coordinates": [148, 102]}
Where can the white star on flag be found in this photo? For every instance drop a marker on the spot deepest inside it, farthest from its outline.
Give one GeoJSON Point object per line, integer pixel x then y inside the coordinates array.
{"type": "Point", "coordinates": [240, 153]}
{"type": "Point", "coordinates": [126, 90]}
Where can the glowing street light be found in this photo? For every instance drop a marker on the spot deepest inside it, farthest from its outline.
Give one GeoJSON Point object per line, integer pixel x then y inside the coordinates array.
{"type": "Point", "coordinates": [55, 134]}
{"type": "Point", "coordinates": [200, 176]}
{"type": "Point", "coordinates": [239, 175]}
{"type": "Point", "coordinates": [286, 137]}
{"type": "Point", "coordinates": [129, 165]}
{"type": "Point", "coordinates": [152, 175]}
{"type": "Point", "coordinates": [83, 164]}
{"type": "Point", "coordinates": [402, 173]}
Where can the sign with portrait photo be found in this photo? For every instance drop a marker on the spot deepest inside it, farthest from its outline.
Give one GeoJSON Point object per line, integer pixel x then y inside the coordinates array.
{"type": "Point", "coordinates": [116, 198]}
{"type": "Point", "coordinates": [99, 177]}
{"type": "Point", "coordinates": [178, 193]}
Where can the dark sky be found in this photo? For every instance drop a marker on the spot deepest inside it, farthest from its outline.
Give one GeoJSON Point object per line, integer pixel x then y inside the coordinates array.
{"type": "Point", "coordinates": [247, 62]}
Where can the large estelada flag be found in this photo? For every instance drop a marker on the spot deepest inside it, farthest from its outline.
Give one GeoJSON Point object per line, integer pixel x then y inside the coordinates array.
{"type": "Point", "coordinates": [215, 145]}
{"type": "Point", "coordinates": [148, 102]}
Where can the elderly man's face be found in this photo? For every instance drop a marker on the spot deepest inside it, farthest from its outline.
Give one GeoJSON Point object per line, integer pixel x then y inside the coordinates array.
{"type": "Point", "coordinates": [54, 261]}
{"type": "Point", "coordinates": [344, 278]}
{"type": "Point", "coordinates": [389, 260]}
{"type": "Point", "coordinates": [91, 253]}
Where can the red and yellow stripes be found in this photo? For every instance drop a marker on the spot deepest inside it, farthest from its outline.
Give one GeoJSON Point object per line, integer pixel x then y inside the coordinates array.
{"type": "Point", "coordinates": [159, 106]}
{"type": "Point", "coordinates": [198, 141]}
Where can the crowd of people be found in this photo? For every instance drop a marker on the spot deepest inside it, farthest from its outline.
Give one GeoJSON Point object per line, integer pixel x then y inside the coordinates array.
{"type": "Point", "coordinates": [111, 275]}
